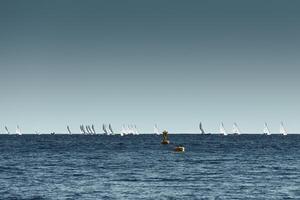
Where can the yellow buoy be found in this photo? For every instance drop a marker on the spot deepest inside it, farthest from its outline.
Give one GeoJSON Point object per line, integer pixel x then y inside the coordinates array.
{"type": "Point", "coordinates": [165, 138]}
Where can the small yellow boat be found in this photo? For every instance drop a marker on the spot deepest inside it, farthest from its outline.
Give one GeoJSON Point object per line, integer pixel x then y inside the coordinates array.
{"type": "Point", "coordinates": [179, 149]}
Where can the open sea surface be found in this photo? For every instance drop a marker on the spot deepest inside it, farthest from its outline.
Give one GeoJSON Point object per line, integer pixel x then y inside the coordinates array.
{"type": "Point", "coordinates": [139, 167]}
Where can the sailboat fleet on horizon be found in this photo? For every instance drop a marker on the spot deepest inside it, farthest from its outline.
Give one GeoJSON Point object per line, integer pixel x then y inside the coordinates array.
{"type": "Point", "coordinates": [132, 130]}
{"type": "Point", "coordinates": [236, 129]}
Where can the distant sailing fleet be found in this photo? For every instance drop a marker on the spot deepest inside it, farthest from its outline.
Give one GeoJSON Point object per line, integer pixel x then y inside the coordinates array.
{"type": "Point", "coordinates": [236, 129]}
{"type": "Point", "coordinates": [133, 130]}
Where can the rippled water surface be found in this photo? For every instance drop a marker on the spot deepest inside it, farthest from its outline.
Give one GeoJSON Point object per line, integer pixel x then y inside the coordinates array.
{"type": "Point", "coordinates": [139, 167]}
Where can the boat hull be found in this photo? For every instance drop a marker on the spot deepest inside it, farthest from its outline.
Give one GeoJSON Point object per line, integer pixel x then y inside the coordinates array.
{"type": "Point", "coordinates": [179, 149]}
{"type": "Point", "coordinates": [165, 142]}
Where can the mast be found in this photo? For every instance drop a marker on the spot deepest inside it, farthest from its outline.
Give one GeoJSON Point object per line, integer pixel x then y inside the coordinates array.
{"type": "Point", "coordinates": [282, 129]}
{"type": "Point", "coordinates": [201, 129]}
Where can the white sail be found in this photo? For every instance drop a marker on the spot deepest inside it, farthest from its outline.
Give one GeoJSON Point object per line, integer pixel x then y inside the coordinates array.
{"type": "Point", "coordinates": [222, 129]}
{"type": "Point", "coordinates": [90, 129]}
{"type": "Point", "coordinates": [68, 128]}
{"type": "Point", "coordinates": [282, 129]}
{"type": "Point", "coordinates": [156, 130]}
{"type": "Point", "coordinates": [18, 130]}
{"type": "Point", "coordinates": [235, 129]}
{"type": "Point", "coordinates": [201, 129]}
{"type": "Point", "coordinates": [129, 129]}
{"type": "Point", "coordinates": [121, 133]}
{"type": "Point", "coordinates": [123, 130]}
{"type": "Point", "coordinates": [81, 129]}
{"type": "Point", "coordinates": [110, 129]}
{"type": "Point", "coordinates": [136, 132]}
{"type": "Point", "coordinates": [104, 129]}
{"type": "Point", "coordinates": [93, 129]}
{"type": "Point", "coordinates": [132, 129]}
{"type": "Point", "coordinates": [87, 128]}
{"type": "Point", "coordinates": [266, 130]}
{"type": "Point", "coordinates": [6, 129]}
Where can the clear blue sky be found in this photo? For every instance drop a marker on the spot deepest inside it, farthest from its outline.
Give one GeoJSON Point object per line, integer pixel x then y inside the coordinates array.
{"type": "Point", "coordinates": [174, 63]}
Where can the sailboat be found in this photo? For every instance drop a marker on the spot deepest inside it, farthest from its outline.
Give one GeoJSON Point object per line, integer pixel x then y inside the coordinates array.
{"type": "Point", "coordinates": [156, 130]}
{"type": "Point", "coordinates": [222, 129]}
{"type": "Point", "coordinates": [235, 129]}
{"type": "Point", "coordinates": [110, 129]}
{"type": "Point", "coordinates": [18, 130]}
{"type": "Point", "coordinates": [90, 129]}
{"type": "Point", "coordinates": [266, 130]}
{"type": "Point", "coordinates": [124, 131]}
{"type": "Point", "coordinates": [282, 129]}
{"type": "Point", "coordinates": [201, 129]}
{"type": "Point", "coordinates": [7, 131]}
{"type": "Point", "coordinates": [93, 129]}
{"type": "Point", "coordinates": [68, 128]}
{"type": "Point", "coordinates": [87, 128]}
{"type": "Point", "coordinates": [83, 130]}
{"type": "Point", "coordinates": [136, 132]}
{"type": "Point", "coordinates": [104, 129]}
{"type": "Point", "coordinates": [129, 130]}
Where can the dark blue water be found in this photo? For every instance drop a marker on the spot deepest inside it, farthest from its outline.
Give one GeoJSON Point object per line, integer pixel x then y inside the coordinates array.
{"type": "Point", "coordinates": [139, 167]}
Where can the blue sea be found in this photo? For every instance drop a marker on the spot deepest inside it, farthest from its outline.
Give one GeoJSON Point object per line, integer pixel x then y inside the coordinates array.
{"type": "Point", "coordinates": [139, 167]}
